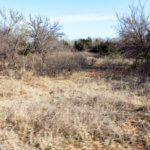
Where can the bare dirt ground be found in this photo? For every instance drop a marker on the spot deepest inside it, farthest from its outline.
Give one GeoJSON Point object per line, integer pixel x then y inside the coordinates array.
{"type": "Point", "coordinates": [88, 110]}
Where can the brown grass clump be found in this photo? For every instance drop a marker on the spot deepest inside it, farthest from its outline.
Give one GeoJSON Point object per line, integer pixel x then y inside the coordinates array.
{"type": "Point", "coordinates": [85, 110]}
{"type": "Point", "coordinates": [61, 63]}
{"type": "Point", "coordinates": [54, 64]}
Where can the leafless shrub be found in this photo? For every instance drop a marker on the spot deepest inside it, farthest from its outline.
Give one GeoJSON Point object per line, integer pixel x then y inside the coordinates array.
{"type": "Point", "coordinates": [44, 34]}
{"type": "Point", "coordinates": [60, 63]}
{"type": "Point", "coordinates": [134, 30]}
{"type": "Point", "coordinates": [11, 35]}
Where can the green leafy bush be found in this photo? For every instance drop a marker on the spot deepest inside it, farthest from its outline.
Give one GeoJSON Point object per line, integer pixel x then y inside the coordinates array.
{"type": "Point", "coordinates": [83, 44]}
{"type": "Point", "coordinates": [104, 48]}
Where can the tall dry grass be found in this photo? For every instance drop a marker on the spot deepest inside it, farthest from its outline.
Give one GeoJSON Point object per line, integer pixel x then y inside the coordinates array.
{"type": "Point", "coordinates": [74, 113]}
{"type": "Point", "coordinates": [86, 110]}
{"type": "Point", "coordinates": [54, 64]}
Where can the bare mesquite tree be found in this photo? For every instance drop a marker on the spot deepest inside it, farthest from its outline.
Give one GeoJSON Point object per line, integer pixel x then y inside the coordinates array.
{"type": "Point", "coordinates": [134, 31]}
{"type": "Point", "coordinates": [10, 32]}
{"type": "Point", "coordinates": [44, 35]}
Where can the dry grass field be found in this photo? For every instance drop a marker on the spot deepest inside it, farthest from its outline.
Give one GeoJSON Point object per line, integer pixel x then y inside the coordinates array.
{"type": "Point", "coordinates": [95, 109]}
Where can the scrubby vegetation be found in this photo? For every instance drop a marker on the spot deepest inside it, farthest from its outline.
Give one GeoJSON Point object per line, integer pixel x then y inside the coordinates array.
{"type": "Point", "coordinates": [90, 94]}
{"type": "Point", "coordinates": [83, 44]}
{"type": "Point", "coordinates": [35, 45]}
{"type": "Point", "coordinates": [102, 47]}
{"type": "Point", "coordinates": [105, 108]}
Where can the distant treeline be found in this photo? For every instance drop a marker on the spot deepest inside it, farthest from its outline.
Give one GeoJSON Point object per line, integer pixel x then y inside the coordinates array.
{"type": "Point", "coordinates": [102, 47]}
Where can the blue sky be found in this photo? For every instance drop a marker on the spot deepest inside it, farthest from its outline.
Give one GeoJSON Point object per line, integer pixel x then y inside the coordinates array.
{"type": "Point", "coordinates": [79, 18]}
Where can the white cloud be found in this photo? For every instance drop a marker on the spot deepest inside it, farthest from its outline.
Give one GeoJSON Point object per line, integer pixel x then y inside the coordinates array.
{"type": "Point", "coordinates": [82, 18]}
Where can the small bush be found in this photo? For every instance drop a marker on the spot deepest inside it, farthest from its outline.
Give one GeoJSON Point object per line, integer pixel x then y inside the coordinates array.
{"type": "Point", "coordinates": [104, 48]}
{"type": "Point", "coordinates": [145, 70]}
{"type": "Point", "coordinates": [60, 63]}
{"type": "Point", "coordinates": [83, 44]}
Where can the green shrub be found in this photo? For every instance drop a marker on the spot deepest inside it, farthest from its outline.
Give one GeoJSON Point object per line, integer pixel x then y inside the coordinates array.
{"type": "Point", "coordinates": [83, 44]}
{"type": "Point", "coordinates": [104, 48]}
{"type": "Point", "coordinates": [26, 50]}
